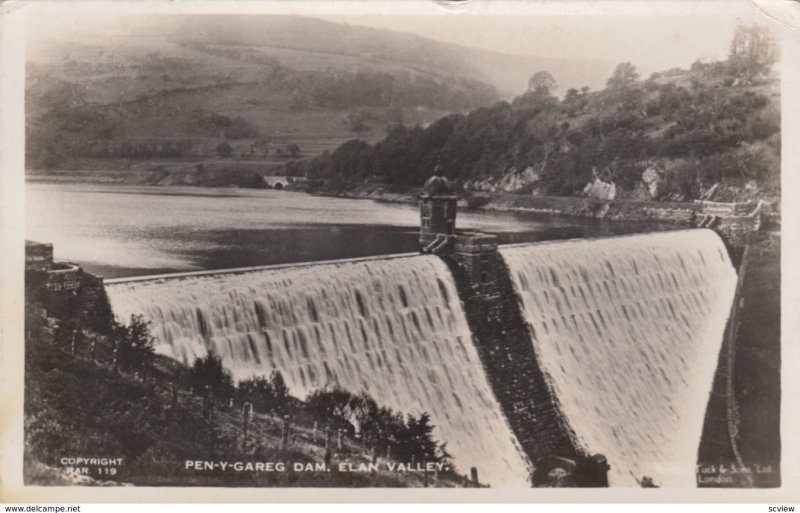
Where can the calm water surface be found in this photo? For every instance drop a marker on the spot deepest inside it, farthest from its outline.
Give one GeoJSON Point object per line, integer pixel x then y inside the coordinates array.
{"type": "Point", "coordinates": [133, 230]}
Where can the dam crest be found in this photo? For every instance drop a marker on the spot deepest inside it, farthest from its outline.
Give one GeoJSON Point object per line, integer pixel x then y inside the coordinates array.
{"type": "Point", "coordinates": [520, 353]}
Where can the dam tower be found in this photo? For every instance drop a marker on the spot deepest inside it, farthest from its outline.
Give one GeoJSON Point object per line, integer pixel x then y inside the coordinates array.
{"type": "Point", "coordinates": [437, 213]}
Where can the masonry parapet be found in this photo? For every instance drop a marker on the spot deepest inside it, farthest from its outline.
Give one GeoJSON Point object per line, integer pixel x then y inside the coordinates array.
{"type": "Point", "coordinates": [738, 223]}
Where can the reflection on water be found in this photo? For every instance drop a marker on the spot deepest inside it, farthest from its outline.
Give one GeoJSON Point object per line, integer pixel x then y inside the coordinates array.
{"type": "Point", "coordinates": [124, 230]}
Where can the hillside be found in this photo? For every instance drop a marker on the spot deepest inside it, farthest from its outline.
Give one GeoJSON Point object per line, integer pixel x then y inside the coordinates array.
{"type": "Point", "coordinates": [507, 73]}
{"type": "Point", "coordinates": [147, 100]}
{"type": "Point", "coordinates": [710, 132]}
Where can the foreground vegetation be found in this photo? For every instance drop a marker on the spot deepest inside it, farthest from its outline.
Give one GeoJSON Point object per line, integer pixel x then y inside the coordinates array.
{"type": "Point", "coordinates": [100, 391]}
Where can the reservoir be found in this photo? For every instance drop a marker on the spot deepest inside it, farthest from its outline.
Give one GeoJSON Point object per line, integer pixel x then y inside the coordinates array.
{"type": "Point", "coordinates": [117, 230]}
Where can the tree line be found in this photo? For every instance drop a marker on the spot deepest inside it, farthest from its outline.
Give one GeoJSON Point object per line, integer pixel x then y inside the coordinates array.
{"type": "Point", "coordinates": [694, 127]}
{"type": "Point", "coordinates": [405, 437]}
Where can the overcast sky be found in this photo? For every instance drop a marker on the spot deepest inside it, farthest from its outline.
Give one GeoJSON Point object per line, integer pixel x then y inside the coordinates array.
{"type": "Point", "coordinates": [677, 37]}
{"type": "Point", "coordinates": [654, 34]}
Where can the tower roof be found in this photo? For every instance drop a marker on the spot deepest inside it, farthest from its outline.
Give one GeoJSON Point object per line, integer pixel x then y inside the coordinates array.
{"type": "Point", "coordinates": [437, 185]}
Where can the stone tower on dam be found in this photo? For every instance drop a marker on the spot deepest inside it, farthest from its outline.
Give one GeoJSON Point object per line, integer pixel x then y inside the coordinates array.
{"type": "Point", "coordinates": [500, 334]}
{"type": "Point", "coordinates": [437, 210]}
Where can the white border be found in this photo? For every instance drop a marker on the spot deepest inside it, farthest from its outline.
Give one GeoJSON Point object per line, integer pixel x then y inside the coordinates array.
{"type": "Point", "coordinates": [12, 40]}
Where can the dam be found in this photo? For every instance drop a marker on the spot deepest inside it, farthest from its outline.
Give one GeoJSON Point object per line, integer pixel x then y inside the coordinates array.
{"type": "Point", "coordinates": [628, 331]}
{"type": "Point", "coordinates": [393, 328]}
{"type": "Point", "coordinates": [519, 353]}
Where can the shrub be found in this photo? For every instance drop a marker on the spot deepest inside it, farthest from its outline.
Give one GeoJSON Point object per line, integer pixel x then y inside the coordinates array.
{"type": "Point", "coordinates": [224, 149]}
{"type": "Point", "coordinates": [208, 371]}
{"type": "Point", "coordinates": [265, 394]}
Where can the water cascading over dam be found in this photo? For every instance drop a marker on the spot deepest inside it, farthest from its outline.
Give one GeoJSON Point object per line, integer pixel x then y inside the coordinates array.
{"type": "Point", "coordinates": [627, 332]}
{"type": "Point", "coordinates": [392, 327]}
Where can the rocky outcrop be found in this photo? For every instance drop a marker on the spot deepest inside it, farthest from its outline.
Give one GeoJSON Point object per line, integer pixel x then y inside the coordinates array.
{"type": "Point", "coordinates": [652, 182]}
{"type": "Point", "coordinates": [514, 180]}
{"type": "Point", "coordinates": [598, 189]}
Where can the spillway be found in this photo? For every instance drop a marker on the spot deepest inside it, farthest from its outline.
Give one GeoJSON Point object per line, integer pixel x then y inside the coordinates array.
{"type": "Point", "coordinates": [393, 328]}
{"type": "Point", "coordinates": [627, 331]}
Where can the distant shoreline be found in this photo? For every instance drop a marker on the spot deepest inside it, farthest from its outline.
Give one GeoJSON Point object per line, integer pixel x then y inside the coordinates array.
{"type": "Point", "coordinates": [678, 213]}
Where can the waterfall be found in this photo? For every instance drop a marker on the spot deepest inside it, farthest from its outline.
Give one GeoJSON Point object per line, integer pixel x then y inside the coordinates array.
{"type": "Point", "coordinates": [393, 328]}
{"type": "Point", "coordinates": [627, 331]}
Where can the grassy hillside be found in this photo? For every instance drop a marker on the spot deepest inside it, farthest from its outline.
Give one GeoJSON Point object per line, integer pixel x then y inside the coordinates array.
{"type": "Point", "coordinates": [81, 106]}
{"type": "Point", "coordinates": [343, 45]}
{"type": "Point", "coordinates": [130, 93]}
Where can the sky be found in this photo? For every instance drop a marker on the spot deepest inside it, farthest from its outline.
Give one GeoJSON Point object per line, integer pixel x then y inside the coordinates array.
{"type": "Point", "coordinates": [654, 35]}
{"type": "Point", "coordinates": [660, 39]}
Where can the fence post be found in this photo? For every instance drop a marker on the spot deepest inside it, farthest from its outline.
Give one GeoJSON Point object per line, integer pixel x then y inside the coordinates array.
{"type": "Point", "coordinates": [327, 456]}
{"type": "Point", "coordinates": [174, 396]}
{"type": "Point", "coordinates": [145, 366]}
{"type": "Point", "coordinates": [285, 437]}
{"type": "Point", "coordinates": [207, 400]}
{"type": "Point", "coordinates": [115, 356]}
{"type": "Point", "coordinates": [247, 409]}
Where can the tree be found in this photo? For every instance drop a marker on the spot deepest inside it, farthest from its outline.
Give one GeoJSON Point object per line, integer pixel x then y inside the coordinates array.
{"type": "Point", "coordinates": [330, 405]}
{"type": "Point", "coordinates": [279, 387]}
{"type": "Point", "coordinates": [541, 82]}
{"type": "Point", "coordinates": [224, 149]}
{"type": "Point", "coordinates": [293, 150]}
{"type": "Point", "coordinates": [266, 394]}
{"type": "Point", "coordinates": [572, 95]}
{"type": "Point", "coordinates": [138, 334]}
{"type": "Point", "coordinates": [752, 50]}
{"type": "Point", "coordinates": [209, 371]}
{"type": "Point", "coordinates": [135, 342]}
{"type": "Point", "coordinates": [624, 76]}
{"type": "Point", "coordinates": [417, 440]}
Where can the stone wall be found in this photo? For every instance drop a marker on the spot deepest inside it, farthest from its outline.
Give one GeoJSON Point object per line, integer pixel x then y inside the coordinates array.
{"type": "Point", "coordinates": [38, 256]}
{"type": "Point", "coordinates": [501, 337]}
{"type": "Point", "coordinates": [726, 209]}
{"type": "Point", "coordinates": [740, 230]}
{"type": "Point", "coordinates": [737, 223]}
{"type": "Point", "coordinates": [65, 290]}
{"type": "Point", "coordinates": [63, 279]}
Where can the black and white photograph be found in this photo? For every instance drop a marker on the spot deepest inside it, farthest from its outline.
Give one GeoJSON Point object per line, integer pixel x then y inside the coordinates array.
{"type": "Point", "coordinates": [457, 246]}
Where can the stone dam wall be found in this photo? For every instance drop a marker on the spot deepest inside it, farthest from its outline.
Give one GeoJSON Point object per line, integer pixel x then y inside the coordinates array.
{"type": "Point", "coordinates": [520, 354]}
{"type": "Point", "coordinates": [501, 336]}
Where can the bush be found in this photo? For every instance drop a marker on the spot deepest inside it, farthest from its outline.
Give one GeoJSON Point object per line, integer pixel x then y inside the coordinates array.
{"type": "Point", "coordinates": [224, 149]}
{"type": "Point", "coordinates": [265, 394]}
{"type": "Point", "coordinates": [135, 344]}
{"type": "Point", "coordinates": [209, 372]}
{"type": "Point", "coordinates": [378, 425]}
